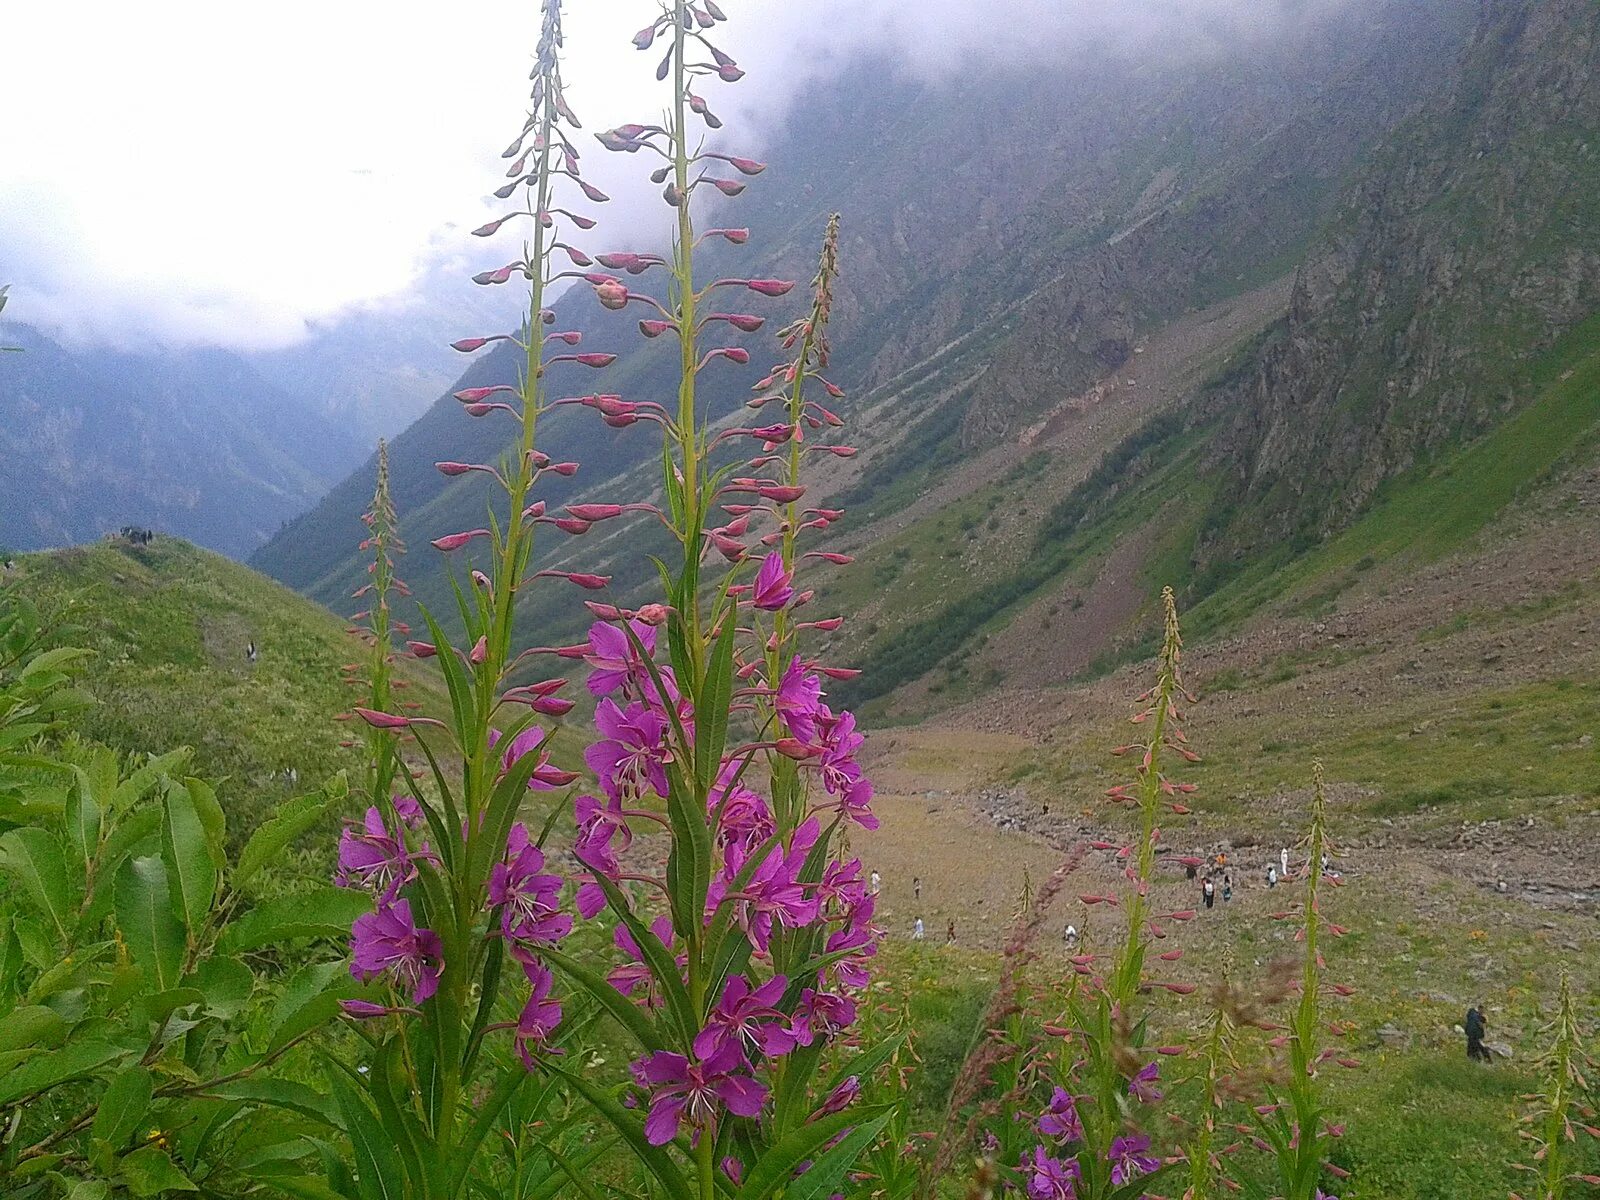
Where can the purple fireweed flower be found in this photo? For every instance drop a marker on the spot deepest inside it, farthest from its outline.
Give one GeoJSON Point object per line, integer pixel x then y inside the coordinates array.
{"type": "Point", "coordinates": [1050, 1178]}
{"type": "Point", "coordinates": [841, 882]}
{"type": "Point", "coordinates": [388, 940]}
{"type": "Point", "coordinates": [733, 1169]}
{"type": "Point", "coordinates": [529, 902]}
{"type": "Point", "coordinates": [1142, 1086]}
{"type": "Point", "coordinates": [680, 1089]}
{"type": "Point", "coordinates": [1129, 1159]}
{"type": "Point", "coordinates": [822, 1015]}
{"type": "Point", "coordinates": [373, 858]}
{"type": "Point", "coordinates": [631, 761]}
{"type": "Point", "coordinates": [859, 935]}
{"type": "Point", "coordinates": [799, 702]}
{"type": "Point", "coordinates": [545, 776]}
{"type": "Point", "coordinates": [748, 1019]}
{"type": "Point", "coordinates": [774, 894]}
{"type": "Point", "coordinates": [540, 1015]}
{"type": "Point", "coordinates": [774, 584]}
{"type": "Point", "coordinates": [632, 976]}
{"type": "Point", "coordinates": [841, 1098]}
{"type": "Point", "coordinates": [1061, 1119]}
{"type": "Point", "coordinates": [409, 811]}
{"type": "Point", "coordinates": [743, 822]}
{"type": "Point", "coordinates": [598, 825]}
{"type": "Point", "coordinates": [614, 660]}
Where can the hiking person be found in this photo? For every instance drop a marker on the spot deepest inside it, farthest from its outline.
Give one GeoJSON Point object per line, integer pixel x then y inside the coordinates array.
{"type": "Point", "coordinates": [916, 886]}
{"type": "Point", "coordinates": [950, 932]}
{"type": "Point", "coordinates": [917, 931]}
{"type": "Point", "coordinates": [1283, 864]}
{"type": "Point", "coordinates": [1208, 892]}
{"type": "Point", "coordinates": [250, 651]}
{"type": "Point", "coordinates": [1272, 875]}
{"type": "Point", "coordinates": [1476, 1027]}
{"type": "Point", "coordinates": [876, 885]}
{"type": "Point", "coordinates": [1227, 888]}
{"type": "Point", "coordinates": [1070, 935]}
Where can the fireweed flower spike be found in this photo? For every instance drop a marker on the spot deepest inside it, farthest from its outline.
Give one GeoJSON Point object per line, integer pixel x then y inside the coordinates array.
{"type": "Point", "coordinates": [464, 894]}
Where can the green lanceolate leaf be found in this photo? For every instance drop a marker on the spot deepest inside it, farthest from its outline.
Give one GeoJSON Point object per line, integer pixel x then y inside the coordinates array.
{"type": "Point", "coordinates": [825, 1173]}
{"type": "Point", "coordinates": [145, 918]}
{"type": "Point", "coordinates": [34, 1026]}
{"type": "Point", "coordinates": [123, 1106]}
{"type": "Point", "coordinates": [320, 912]}
{"type": "Point", "coordinates": [186, 852]}
{"type": "Point", "coordinates": [623, 1010]}
{"type": "Point", "coordinates": [34, 860]}
{"type": "Point", "coordinates": [656, 956]}
{"type": "Point", "coordinates": [135, 786]}
{"type": "Point", "coordinates": [711, 714]}
{"type": "Point", "coordinates": [226, 984]}
{"type": "Point", "coordinates": [150, 1171]}
{"type": "Point", "coordinates": [75, 1060]}
{"type": "Point", "coordinates": [279, 1093]}
{"type": "Point", "coordinates": [83, 822]}
{"type": "Point", "coordinates": [655, 1159]}
{"type": "Point", "coordinates": [295, 818]}
{"type": "Point", "coordinates": [379, 1172]}
{"type": "Point", "coordinates": [776, 1166]}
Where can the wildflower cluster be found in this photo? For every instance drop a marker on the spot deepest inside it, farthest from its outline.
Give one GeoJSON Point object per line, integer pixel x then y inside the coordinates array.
{"type": "Point", "coordinates": [722, 774]}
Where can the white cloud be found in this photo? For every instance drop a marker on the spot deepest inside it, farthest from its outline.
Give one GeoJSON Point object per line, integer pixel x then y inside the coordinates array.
{"type": "Point", "coordinates": [195, 171]}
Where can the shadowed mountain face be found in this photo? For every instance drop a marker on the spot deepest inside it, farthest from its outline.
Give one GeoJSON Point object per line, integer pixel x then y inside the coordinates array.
{"type": "Point", "coordinates": [1007, 238]}
{"type": "Point", "coordinates": [195, 443]}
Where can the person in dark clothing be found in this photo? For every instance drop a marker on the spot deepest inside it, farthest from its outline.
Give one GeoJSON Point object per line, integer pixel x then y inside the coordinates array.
{"type": "Point", "coordinates": [1476, 1028]}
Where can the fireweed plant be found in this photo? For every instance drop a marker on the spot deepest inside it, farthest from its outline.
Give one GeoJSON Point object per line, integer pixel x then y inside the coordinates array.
{"type": "Point", "coordinates": [1557, 1115]}
{"type": "Point", "coordinates": [1292, 1127]}
{"type": "Point", "coordinates": [1096, 1133]}
{"type": "Point", "coordinates": [740, 949]}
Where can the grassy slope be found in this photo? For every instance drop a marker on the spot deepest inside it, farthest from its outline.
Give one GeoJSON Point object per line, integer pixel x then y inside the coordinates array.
{"type": "Point", "coordinates": [1417, 519]}
{"type": "Point", "coordinates": [168, 625]}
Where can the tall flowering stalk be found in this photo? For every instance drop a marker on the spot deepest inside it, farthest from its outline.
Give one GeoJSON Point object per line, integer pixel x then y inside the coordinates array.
{"type": "Point", "coordinates": [740, 939]}
{"type": "Point", "coordinates": [376, 626]}
{"type": "Point", "coordinates": [744, 948]}
{"type": "Point", "coordinates": [463, 909]}
{"type": "Point", "coordinates": [1292, 1126]}
{"type": "Point", "coordinates": [1557, 1115]}
{"type": "Point", "coordinates": [1095, 1138]}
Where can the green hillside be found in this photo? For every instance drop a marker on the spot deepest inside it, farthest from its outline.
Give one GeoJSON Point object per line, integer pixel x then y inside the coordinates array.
{"type": "Point", "coordinates": [169, 624]}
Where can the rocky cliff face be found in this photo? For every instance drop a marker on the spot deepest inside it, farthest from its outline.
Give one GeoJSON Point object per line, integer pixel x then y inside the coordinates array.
{"type": "Point", "coordinates": [1469, 246]}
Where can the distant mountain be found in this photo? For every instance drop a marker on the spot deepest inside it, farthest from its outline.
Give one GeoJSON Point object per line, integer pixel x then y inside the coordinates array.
{"type": "Point", "coordinates": [194, 443]}
{"type": "Point", "coordinates": [378, 367]}
{"type": "Point", "coordinates": [217, 446]}
{"type": "Point", "coordinates": [1007, 239]}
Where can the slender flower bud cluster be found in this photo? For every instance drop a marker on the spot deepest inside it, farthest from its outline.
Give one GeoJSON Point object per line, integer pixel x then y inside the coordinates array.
{"type": "Point", "coordinates": [742, 949]}
{"type": "Point", "coordinates": [1292, 1126]}
{"type": "Point", "coordinates": [1095, 1130]}
{"type": "Point", "coordinates": [1564, 1109]}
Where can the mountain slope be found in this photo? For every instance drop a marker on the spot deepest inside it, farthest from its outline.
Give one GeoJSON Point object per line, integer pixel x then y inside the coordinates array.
{"type": "Point", "coordinates": [169, 624]}
{"type": "Point", "coordinates": [1449, 295]}
{"type": "Point", "coordinates": [194, 443]}
{"type": "Point", "coordinates": [967, 205]}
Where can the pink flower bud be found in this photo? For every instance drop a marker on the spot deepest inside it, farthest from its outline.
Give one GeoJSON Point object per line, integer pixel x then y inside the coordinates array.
{"type": "Point", "coordinates": [595, 512]}
{"type": "Point", "coordinates": [727, 187]}
{"type": "Point", "coordinates": [479, 652]}
{"type": "Point", "coordinates": [770, 287]}
{"type": "Point", "coordinates": [782, 493]}
{"type": "Point", "coordinates": [612, 296]}
{"type": "Point", "coordinates": [840, 673]}
{"type": "Point", "coordinates": [593, 360]}
{"type": "Point", "coordinates": [654, 614]}
{"type": "Point", "coordinates": [454, 468]}
{"type": "Point", "coordinates": [839, 560]}
{"type": "Point", "coordinates": [422, 649]}
{"type": "Point", "coordinates": [746, 166]}
{"type": "Point", "coordinates": [796, 749]}
{"type": "Point", "coordinates": [379, 720]}
{"type": "Point", "coordinates": [454, 541]}
{"type": "Point", "coordinates": [552, 706]}
{"type": "Point", "coordinates": [571, 525]}
{"type": "Point", "coordinates": [652, 328]}
{"type": "Point", "coordinates": [468, 345]}
{"type": "Point", "coordinates": [645, 37]}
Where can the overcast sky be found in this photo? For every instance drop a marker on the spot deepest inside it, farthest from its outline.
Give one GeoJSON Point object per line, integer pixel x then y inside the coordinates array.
{"type": "Point", "coordinates": [222, 172]}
